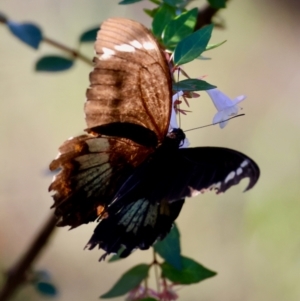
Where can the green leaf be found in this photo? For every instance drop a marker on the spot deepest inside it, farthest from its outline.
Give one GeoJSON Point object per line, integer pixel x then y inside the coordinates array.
{"type": "Point", "coordinates": [129, 1]}
{"type": "Point", "coordinates": [174, 3]}
{"type": "Point", "coordinates": [89, 35]}
{"type": "Point", "coordinates": [192, 46]}
{"type": "Point", "coordinates": [28, 33]}
{"type": "Point", "coordinates": [217, 3]}
{"type": "Point", "coordinates": [192, 84]}
{"type": "Point", "coordinates": [163, 16]}
{"type": "Point", "coordinates": [192, 272]}
{"type": "Point", "coordinates": [148, 299]}
{"type": "Point", "coordinates": [203, 58]}
{"type": "Point", "coordinates": [128, 281]}
{"type": "Point", "coordinates": [53, 63]}
{"type": "Point", "coordinates": [41, 276]}
{"type": "Point", "coordinates": [180, 27]}
{"type": "Point", "coordinates": [212, 46]}
{"type": "Point", "coordinates": [169, 248]}
{"type": "Point", "coordinates": [46, 289]}
{"type": "Point", "coordinates": [155, 1]}
{"type": "Point", "coordinates": [117, 257]}
{"type": "Point", "coordinates": [151, 12]}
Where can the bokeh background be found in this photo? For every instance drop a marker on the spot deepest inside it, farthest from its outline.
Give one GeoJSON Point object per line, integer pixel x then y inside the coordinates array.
{"type": "Point", "coordinates": [252, 240]}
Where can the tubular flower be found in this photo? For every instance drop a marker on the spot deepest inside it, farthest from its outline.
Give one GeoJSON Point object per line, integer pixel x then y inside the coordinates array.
{"type": "Point", "coordinates": [225, 106]}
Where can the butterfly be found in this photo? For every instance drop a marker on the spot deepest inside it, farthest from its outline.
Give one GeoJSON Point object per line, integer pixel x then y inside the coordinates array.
{"type": "Point", "coordinates": [128, 171]}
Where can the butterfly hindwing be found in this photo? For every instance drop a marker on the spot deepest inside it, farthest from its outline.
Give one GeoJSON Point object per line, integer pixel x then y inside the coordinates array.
{"type": "Point", "coordinates": [136, 224]}
{"type": "Point", "coordinates": [92, 168]}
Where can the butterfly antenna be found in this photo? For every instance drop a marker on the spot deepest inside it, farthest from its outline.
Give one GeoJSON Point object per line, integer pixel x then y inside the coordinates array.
{"type": "Point", "coordinates": [204, 126]}
{"type": "Point", "coordinates": [179, 117]}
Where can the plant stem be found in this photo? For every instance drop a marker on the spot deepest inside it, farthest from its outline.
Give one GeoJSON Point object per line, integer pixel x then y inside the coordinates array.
{"type": "Point", "coordinates": [69, 50]}
{"type": "Point", "coordinates": [155, 263]}
{"type": "Point", "coordinates": [16, 276]}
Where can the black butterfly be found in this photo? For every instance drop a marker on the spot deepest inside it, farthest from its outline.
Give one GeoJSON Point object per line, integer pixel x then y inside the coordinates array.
{"type": "Point", "coordinates": [128, 170]}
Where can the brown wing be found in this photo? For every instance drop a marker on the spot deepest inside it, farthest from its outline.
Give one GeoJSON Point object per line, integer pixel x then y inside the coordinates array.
{"type": "Point", "coordinates": [131, 80]}
{"type": "Point", "coordinates": [92, 168]}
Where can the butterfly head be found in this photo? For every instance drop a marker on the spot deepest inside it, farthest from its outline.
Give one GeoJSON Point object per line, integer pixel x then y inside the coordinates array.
{"type": "Point", "coordinates": [176, 136]}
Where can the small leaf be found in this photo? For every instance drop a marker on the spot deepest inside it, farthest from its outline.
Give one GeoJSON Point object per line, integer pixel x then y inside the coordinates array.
{"type": "Point", "coordinates": [180, 27]}
{"type": "Point", "coordinates": [53, 63]}
{"type": "Point", "coordinates": [192, 46]}
{"type": "Point", "coordinates": [162, 17]}
{"type": "Point", "coordinates": [157, 2]}
{"type": "Point", "coordinates": [46, 289]}
{"type": "Point", "coordinates": [192, 84]}
{"type": "Point", "coordinates": [151, 12]}
{"type": "Point", "coordinates": [203, 58]}
{"type": "Point", "coordinates": [129, 1]}
{"type": "Point", "coordinates": [212, 46]}
{"type": "Point", "coordinates": [89, 35]}
{"type": "Point", "coordinates": [191, 272]}
{"type": "Point", "coordinates": [148, 299]}
{"type": "Point", "coordinates": [128, 281]}
{"type": "Point", "coordinates": [117, 257]}
{"type": "Point", "coordinates": [217, 3]}
{"type": "Point", "coordinates": [174, 3]}
{"type": "Point", "coordinates": [41, 276]}
{"type": "Point", "coordinates": [28, 33]}
{"type": "Point", "coordinates": [169, 248]}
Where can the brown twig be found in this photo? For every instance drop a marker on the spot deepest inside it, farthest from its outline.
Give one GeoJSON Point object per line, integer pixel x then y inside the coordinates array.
{"type": "Point", "coordinates": [74, 53]}
{"type": "Point", "coordinates": [155, 263]}
{"type": "Point", "coordinates": [16, 276]}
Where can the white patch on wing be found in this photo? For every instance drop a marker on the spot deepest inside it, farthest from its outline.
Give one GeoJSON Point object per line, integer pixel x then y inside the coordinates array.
{"type": "Point", "coordinates": [230, 177]}
{"type": "Point", "coordinates": [54, 179]}
{"type": "Point", "coordinates": [239, 171]}
{"type": "Point", "coordinates": [148, 45]}
{"type": "Point", "coordinates": [193, 192]}
{"type": "Point", "coordinates": [125, 48]}
{"type": "Point", "coordinates": [244, 163]}
{"type": "Point", "coordinates": [58, 155]}
{"type": "Point", "coordinates": [216, 186]}
{"type": "Point", "coordinates": [136, 44]}
{"type": "Point", "coordinates": [107, 53]}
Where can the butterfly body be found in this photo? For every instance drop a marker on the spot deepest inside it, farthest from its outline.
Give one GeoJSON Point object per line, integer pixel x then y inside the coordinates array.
{"type": "Point", "coordinates": [129, 171]}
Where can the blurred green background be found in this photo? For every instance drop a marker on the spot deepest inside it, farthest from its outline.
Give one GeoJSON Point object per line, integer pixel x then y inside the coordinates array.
{"type": "Point", "coordinates": [252, 240]}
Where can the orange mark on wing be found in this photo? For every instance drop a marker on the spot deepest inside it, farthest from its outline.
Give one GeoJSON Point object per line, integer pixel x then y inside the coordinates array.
{"type": "Point", "coordinates": [101, 212]}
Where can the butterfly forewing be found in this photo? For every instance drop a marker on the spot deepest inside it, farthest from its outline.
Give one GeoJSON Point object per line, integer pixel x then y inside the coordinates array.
{"type": "Point", "coordinates": [175, 174]}
{"type": "Point", "coordinates": [131, 80]}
